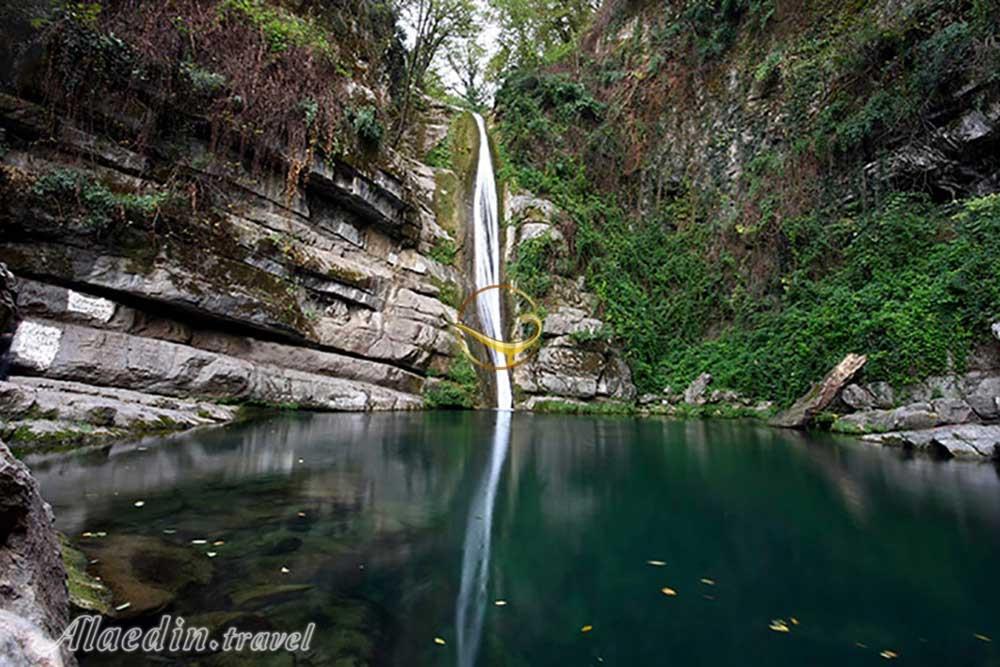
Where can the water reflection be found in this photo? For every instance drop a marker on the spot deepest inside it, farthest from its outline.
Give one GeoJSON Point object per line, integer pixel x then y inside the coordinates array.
{"type": "Point", "coordinates": [470, 607]}
{"type": "Point", "coordinates": [398, 528]}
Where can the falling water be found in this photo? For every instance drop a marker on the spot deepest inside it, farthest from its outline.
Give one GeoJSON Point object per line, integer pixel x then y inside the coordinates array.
{"type": "Point", "coordinates": [486, 224]}
{"type": "Point", "coordinates": [471, 606]}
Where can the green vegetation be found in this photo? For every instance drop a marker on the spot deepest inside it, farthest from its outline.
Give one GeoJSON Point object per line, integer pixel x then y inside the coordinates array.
{"type": "Point", "coordinates": [101, 207]}
{"type": "Point", "coordinates": [770, 283]}
{"type": "Point", "coordinates": [458, 389]}
{"type": "Point", "coordinates": [444, 251]}
{"type": "Point", "coordinates": [281, 29]}
{"type": "Point", "coordinates": [590, 408]}
{"type": "Point", "coordinates": [531, 269]}
{"type": "Point", "coordinates": [367, 126]}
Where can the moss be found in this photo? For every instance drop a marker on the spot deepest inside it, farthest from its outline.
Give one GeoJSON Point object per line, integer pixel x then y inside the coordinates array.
{"type": "Point", "coordinates": [86, 593]}
{"type": "Point", "coordinates": [444, 251]}
{"type": "Point", "coordinates": [447, 201]}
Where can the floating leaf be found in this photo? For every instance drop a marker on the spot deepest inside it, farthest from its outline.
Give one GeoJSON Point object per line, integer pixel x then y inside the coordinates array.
{"type": "Point", "coordinates": [439, 641]}
{"type": "Point", "coordinates": [199, 541]}
{"type": "Point", "coordinates": [794, 620]}
{"type": "Point", "coordinates": [779, 625]}
{"type": "Point", "coordinates": [889, 655]}
{"type": "Point", "coordinates": [656, 563]}
{"type": "Point", "coordinates": [139, 503]}
{"type": "Point", "coordinates": [218, 543]}
{"type": "Point", "coordinates": [860, 645]}
{"type": "Point", "coordinates": [586, 628]}
{"type": "Point", "coordinates": [301, 515]}
{"type": "Point", "coordinates": [708, 582]}
{"type": "Point", "coordinates": [668, 591]}
{"type": "Point", "coordinates": [284, 570]}
{"type": "Point", "coordinates": [982, 638]}
{"type": "Point", "coordinates": [500, 603]}
{"type": "Point", "coordinates": [211, 554]}
{"type": "Point", "coordinates": [169, 531]}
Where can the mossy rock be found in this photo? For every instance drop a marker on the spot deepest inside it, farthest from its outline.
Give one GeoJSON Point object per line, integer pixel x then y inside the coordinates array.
{"type": "Point", "coordinates": [86, 593]}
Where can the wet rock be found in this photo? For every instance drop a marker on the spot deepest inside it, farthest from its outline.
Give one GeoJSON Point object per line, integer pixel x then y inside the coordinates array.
{"type": "Point", "coordinates": [695, 393]}
{"type": "Point", "coordinates": [146, 573]}
{"type": "Point", "coordinates": [973, 441]}
{"type": "Point", "coordinates": [821, 394]}
{"type": "Point", "coordinates": [995, 328]}
{"type": "Point", "coordinates": [34, 603]}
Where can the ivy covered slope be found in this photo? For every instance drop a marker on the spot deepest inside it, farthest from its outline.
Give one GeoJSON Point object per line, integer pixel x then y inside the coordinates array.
{"type": "Point", "coordinates": [758, 188]}
{"type": "Point", "coordinates": [200, 199]}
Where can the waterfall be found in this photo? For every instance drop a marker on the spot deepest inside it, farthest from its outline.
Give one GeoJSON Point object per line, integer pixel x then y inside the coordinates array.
{"type": "Point", "coordinates": [471, 605]}
{"type": "Point", "coordinates": [470, 608]}
{"type": "Point", "coordinates": [486, 241]}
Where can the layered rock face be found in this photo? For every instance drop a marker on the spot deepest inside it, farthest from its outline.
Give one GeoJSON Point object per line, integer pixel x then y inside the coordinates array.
{"type": "Point", "coordinates": [325, 298]}
{"type": "Point", "coordinates": [575, 361]}
{"type": "Point", "coordinates": [34, 603]}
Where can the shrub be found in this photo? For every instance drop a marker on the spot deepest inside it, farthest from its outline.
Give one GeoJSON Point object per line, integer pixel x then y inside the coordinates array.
{"type": "Point", "coordinates": [459, 389]}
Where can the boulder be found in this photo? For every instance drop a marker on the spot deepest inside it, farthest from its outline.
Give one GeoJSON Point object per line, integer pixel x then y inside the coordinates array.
{"type": "Point", "coordinates": [995, 328]}
{"type": "Point", "coordinates": [974, 441]}
{"type": "Point", "coordinates": [857, 397]}
{"type": "Point", "coordinates": [821, 394]}
{"type": "Point", "coordinates": [34, 602]}
{"type": "Point", "coordinates": [882, 395]}
{"type": "Point", "coordinates": [695, 393]}
{"type": "Point", "coordinates": [910, 417]}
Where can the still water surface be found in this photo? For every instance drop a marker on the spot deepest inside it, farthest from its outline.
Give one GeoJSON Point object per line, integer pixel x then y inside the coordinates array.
{"type": "Point", "coordinates": [391, 537]}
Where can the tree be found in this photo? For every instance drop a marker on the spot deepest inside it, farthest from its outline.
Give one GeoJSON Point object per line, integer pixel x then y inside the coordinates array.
{"type": "Point", "coordinates": [532, 30]}
{"type": "Point", "coordinates": [467, 62]}
{"type": "Point", "coordinates": [433, 25]}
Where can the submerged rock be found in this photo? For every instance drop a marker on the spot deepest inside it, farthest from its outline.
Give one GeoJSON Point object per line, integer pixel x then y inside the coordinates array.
{"type": "Point", "coordinates": [146, 573]}
{"type": "Point", "coordinates": [34, 603]}
{"type": "Point", "coordinates": [821, 394]}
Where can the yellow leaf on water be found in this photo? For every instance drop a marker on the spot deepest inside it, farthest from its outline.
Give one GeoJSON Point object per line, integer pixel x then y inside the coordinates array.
{"type": "Point", "coordinates": [794, 620]}
{"type": "Point", "coordinates": [656, 563]}
{"type": "Point", "coordinates": [218, 543]}
{"type": "Point", "coordinates": [889, 655]}
{"type": "Point", "coordinates": [982, 638]}
{"type": "Point", "coordinates": [586, 628]}
{"type": "Point", "coordinates": [708, 582]}
{"type": "Point", "coordinates": [668, 592]}
{"type": "Point", "coordinates": [439, 641]}
{"type": "Point", "coordinates": [779, 625]}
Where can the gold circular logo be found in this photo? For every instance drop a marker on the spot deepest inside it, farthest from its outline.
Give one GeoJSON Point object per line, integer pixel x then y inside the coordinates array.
{"type": "Point", "coordinates": [515, 352]}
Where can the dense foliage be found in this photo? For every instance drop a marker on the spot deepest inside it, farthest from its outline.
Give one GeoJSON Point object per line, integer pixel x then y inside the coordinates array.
{"type": "Point", "coordinates": [766, 285]}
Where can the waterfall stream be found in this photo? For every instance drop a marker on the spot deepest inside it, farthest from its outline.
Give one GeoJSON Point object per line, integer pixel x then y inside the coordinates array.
{"type": "Point", "coordinates": [486, 241]}
{"type": "Point", "coordinates": [470, 608]}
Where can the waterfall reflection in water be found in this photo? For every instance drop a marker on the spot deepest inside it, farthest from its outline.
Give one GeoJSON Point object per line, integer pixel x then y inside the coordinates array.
{"type": "Point", "coordinates": [471, 604]}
